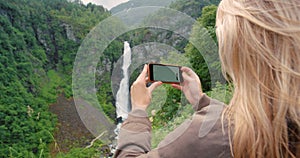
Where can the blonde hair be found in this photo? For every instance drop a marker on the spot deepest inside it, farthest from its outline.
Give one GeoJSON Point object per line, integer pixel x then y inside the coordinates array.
{"type": "Point", "coordinates": [259, 46]}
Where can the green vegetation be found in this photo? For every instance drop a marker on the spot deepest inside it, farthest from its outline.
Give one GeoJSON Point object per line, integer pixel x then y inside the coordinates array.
{"type": "Point", "coordinates": [192, 7]}
{"type": "Point", "coordinates": [207, 20]}
{"type": "Point", "coordinates": [36, 65]}
{"type": "Point", "coordinates": [39, 42]}
{"type": "Point", "coordinates": [98, 149]}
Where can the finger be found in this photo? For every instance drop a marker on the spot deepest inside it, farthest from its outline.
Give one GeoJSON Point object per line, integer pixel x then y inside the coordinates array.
{"type": "Point", "coordinates": [188, 71]}
{"type": "Point", "coordinates": [143, 74]}
{"type": "Point", "coordinates": [177, 86]}
{"type": "Point", "coordinates": [154, 86]}
{"type": "Point", "coordinates": [186, 77]}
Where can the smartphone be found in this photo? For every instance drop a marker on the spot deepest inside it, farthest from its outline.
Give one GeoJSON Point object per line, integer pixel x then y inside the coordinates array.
{"type": "Point", "coordinates": [164, 73]}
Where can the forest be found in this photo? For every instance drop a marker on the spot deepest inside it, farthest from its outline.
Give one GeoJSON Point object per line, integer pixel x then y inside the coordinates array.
{"type": "Point", "coordinates": [39, 40]}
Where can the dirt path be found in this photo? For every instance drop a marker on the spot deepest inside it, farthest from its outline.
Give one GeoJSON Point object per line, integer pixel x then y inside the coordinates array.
{"type": "Point", "coordinates": [71, 131]}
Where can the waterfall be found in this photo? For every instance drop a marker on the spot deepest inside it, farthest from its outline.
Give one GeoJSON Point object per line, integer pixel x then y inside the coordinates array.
{"type": "Point", "coordinates": [122, 98]}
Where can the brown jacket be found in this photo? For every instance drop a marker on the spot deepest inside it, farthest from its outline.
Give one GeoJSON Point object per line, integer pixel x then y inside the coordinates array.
{"type": "Point", "coordinates": [203, 136]}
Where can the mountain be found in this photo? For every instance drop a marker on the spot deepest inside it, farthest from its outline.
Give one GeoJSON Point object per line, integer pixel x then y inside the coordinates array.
{"type": "Point", "coordinates": [39, 41]}
{"type": "Point", "coordinates": [192, 8]}
{"type": "Point", "coordinates": [140, 3]}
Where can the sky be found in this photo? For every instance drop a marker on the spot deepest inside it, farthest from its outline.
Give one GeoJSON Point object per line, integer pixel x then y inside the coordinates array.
{"type": "Point", "coordinates": [108, 4]}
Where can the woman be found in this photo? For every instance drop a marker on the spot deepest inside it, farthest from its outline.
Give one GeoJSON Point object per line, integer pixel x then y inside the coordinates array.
{"type": "Point", "coordinates": [259, 46]}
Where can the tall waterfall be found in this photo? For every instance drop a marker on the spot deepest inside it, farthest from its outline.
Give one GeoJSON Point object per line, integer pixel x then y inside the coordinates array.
{"type": "Point", "coordinates": [122, 99]}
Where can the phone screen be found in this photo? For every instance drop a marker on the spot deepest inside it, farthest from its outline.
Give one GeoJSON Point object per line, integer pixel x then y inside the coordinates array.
{"type": "Point", "coordinates": [165, 73]}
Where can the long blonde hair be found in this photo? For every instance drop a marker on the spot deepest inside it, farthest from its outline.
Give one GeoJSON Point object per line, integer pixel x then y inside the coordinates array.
{"type": "Point", "coordinates": [259, 46]}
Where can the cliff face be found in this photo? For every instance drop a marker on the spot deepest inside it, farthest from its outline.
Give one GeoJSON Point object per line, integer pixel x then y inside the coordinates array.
{"type": "Point", "coordinates": [54, 26]}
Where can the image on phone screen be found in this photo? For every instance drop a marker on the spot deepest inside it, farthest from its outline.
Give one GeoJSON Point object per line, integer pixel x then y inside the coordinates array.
{"type": "Point", "coordinates": [165, 73]}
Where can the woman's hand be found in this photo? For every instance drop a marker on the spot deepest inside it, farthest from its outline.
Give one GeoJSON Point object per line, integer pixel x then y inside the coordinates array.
{"type": "Point", "coordinates": [191, 86]}
{"type": "Point", "coordinates": [140, 93]}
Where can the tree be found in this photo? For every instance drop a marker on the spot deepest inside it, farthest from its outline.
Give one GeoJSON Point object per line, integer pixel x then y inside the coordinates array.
{"type": "Point", "coordinates": [205, 25]}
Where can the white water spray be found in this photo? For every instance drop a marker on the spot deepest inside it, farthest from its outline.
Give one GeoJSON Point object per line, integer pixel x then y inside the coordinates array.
{"type": "Point", "coordinates": [122, 99]}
